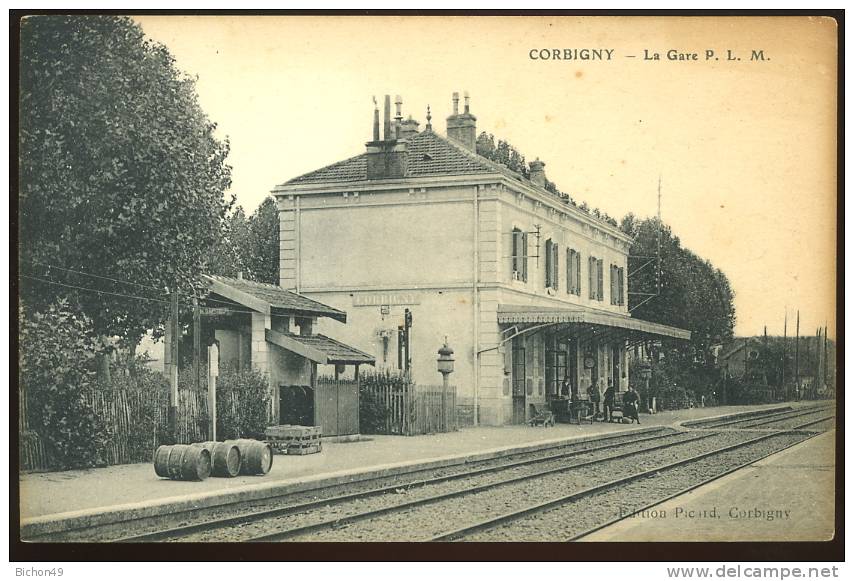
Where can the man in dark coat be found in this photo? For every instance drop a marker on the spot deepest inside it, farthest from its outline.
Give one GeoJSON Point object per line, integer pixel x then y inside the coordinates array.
{"type": "Point", "coordinates": [609, 402]}
{"type": "Point", "coordinates": [630, 405]}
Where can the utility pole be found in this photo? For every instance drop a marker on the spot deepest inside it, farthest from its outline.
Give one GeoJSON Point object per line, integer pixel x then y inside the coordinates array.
{"type": "Point", "coordinates": [197, 344]}
{"type": "Point", "coordinates": [785, 341]}
{"type": "Point", "coordinates": [173, 370]}
{"type": "Point", "coordinates": [797, 356]}
{"type": "Point", "coordinates": [825, 354]}
{"type": "Point", "coordinates": [658, 242]}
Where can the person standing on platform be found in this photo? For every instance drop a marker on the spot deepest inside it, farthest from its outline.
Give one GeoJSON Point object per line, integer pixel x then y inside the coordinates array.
{"type": "Point", "coordinates": [630, 405]}
{"type": "Point", "coordinates": [593, 394]}
{"type": "Point", "coordinates": [608, 406]}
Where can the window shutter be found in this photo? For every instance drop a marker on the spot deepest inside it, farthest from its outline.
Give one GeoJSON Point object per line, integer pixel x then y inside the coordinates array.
{"type": "Point", "coordinates": [591, 274]}
{"type": "Point", "coordinates": [599, 286]}
{"type": "Point", "coordinates": [516, 251]}
{"type": "Point", "coordinates": [578, 273]}
{"type": "Point", "coordinates": [555, 267]}
{"type": "Point", "coordinates": [569, 263]}
{"type": "Point", "coordinates": [524, 256]}
{"type": "Point", "coordinates": [548, 262]}
{"type": "Point", "coordinates": [622, 286]}
{"type": "Point", "coordinates": [614, 296]}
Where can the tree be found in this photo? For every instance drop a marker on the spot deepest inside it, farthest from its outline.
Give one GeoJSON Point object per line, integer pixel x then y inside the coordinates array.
{"type": "Point", "coordinates": [121, 174]}
{"type": "Point", "coordinates": [262, 253]}
{"type": "Point", "coordinates": [694, 295]}
{"type": "Point", "coordinates": [58, 349]}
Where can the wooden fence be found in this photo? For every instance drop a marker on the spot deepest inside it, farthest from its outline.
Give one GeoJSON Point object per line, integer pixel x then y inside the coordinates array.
{"type": "Point", "coordinates": [410, 409]}
{"type": "Point", "coordinates": [135, 421]}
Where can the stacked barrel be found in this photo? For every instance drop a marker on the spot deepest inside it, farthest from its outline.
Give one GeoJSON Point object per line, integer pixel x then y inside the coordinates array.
{"type": "Point", "coordinates": [224, 459]}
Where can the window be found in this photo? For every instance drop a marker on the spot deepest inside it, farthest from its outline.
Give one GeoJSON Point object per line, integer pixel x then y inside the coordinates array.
{"type": "Point", "coordinates": [520, 255]}
{"type": "Point", "coordinates": [618, 291]}
{"type": "Point", "coordinates": [555, 364]}
{"type": "Point", "coordinates": [573, 272]}
{"type": "Point", "coordinates": [551, 251]}
{"type": "Point", "coordinates": [591, 277]}
{"type": "Point", "coordinates": [596, 268]}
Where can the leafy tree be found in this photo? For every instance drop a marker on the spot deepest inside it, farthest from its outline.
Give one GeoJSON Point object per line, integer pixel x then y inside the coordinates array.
{"type": "Point", "coordinates": [121, 173]}
{"type": "Point", "coordinates": [262, 253]}
{"type": "Point", "coordinates": [693, 295]}
{"type": "Point", "coordinates": [58, 350]}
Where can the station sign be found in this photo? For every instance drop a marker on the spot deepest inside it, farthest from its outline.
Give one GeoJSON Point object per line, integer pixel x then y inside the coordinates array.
{"type": "Point", "coordinates": [381, 299]}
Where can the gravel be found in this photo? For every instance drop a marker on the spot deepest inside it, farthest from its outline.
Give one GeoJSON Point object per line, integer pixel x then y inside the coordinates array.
{"type": "Point", "coordinates": [154, 524]}
{"type": "Point", "coordinates": [575, 518]}
{"type": "Point", "coordinates": [422, 522]}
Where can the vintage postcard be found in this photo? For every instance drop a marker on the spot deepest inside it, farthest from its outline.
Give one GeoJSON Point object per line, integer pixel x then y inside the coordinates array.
{"type": "Point", "coordinates": [338, 278]}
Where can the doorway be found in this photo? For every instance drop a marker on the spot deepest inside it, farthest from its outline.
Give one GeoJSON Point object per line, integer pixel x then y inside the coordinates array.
{"type": "Point", "coordinates": [296, 405]}
{"type": "Point", "coordinates": [518, 375]}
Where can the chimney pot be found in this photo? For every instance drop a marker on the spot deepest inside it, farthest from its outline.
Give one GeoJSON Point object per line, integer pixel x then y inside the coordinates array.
{"type": "Point", "coordinates": [387, 119]}
{"type": "Point", "coordinates": [538, 173]}
{"type": "Point", "coordinates": [462, 128]}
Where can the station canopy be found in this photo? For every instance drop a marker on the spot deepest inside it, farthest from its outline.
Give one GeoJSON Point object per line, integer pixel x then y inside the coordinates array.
{"type": "Point", "coordinates": [581, 321]}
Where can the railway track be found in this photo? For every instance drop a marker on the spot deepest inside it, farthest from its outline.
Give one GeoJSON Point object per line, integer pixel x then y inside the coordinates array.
{"type": "Point", "coordinates": [523, 469]}
{"type": "Point", "coordinates": [557, 519]}
{"type": "Point", "coordinates": [380, 509]}
{"type": "Point", "coordinates": [163, 528]}
{"type": "Point", "coordinates": [743, 452]}
{"type": "Point", "coordinates": [759, 420]}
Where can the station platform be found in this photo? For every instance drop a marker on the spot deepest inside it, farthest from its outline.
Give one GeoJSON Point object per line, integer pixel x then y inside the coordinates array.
{"type": "Point", "coordinates": [55, 501]}
{"type": "Point", "coordinates": [786, 497]}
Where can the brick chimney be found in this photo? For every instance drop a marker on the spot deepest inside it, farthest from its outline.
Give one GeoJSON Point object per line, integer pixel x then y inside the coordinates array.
{"type": "Point", "coordinates": [387, 157]}
{"type": "Point", "coordinates": [462, 127]}
{"type": "Point", "coordinates": [408, 128]}
{"type": "Point", "coordinates": [538, 172]}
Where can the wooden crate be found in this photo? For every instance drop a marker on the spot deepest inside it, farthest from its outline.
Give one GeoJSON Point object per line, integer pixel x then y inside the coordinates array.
{"type": "Point", "coordinates": [289, 433]}
{"type": "Point", "coordinates": [302, 450]}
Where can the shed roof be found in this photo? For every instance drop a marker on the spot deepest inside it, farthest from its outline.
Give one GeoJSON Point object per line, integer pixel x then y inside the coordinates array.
{"type": "Point", "coordinates": [319, 348]}
{"type": "Point", "coordinates": [264, 297]}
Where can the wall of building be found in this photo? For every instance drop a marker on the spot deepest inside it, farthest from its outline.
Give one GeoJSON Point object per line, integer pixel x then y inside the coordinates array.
{"type": "Point", "coordinates": [566, 232]}
{"type": "Point", "coordinates": [414, 247]}
{"type": "Point", "coordinates": [435, 313]}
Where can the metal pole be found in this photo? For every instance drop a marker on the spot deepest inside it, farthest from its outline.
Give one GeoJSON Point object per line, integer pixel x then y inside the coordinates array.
{"type": "Point", "coordinates": [797, 356]}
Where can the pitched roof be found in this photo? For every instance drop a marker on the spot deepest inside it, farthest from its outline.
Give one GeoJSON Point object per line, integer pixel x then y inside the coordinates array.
{"type": "Point", "coordinates": [429, 155]}
{"type": "Point", "coordinates": [263, 297]}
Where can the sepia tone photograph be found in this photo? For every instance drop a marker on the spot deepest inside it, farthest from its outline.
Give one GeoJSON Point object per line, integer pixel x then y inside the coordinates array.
{"type": "Point", "coordinates": [427, 278]}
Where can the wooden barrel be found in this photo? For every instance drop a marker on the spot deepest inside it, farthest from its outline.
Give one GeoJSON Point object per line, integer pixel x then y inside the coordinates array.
{"type": "Point", "coordinates": [225, 458]}
{"type": "Point", "coordinates": [182, 462]}
{"type": "Point", "coordinates": [255, 457]}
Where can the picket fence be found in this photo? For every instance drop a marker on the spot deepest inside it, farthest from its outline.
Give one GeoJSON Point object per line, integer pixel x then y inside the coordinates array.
{"type": "Point", "coordinates": [411, 409]}
{"type": "Point", "coordinates": [135, 420]}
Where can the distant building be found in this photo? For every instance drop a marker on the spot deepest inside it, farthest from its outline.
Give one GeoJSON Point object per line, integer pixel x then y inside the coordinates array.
{"type": "Point", "coordinates": [530, 290]}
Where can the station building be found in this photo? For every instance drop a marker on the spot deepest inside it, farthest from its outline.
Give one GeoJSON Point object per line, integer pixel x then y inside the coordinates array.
{"type": "Point", "coordinates": [529, 290]}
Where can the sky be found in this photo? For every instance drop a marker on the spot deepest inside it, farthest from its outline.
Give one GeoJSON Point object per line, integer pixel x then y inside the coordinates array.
{"type": "Point", "coordinates": [745, 149]}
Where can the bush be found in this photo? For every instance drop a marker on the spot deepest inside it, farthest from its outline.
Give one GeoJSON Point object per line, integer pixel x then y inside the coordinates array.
{"type": "Point", "coordinates": [144, 432]}
{"type": "Point", "coordinates": [57, 356]}
{"type": "Point", "coordinates": [242, 403]}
